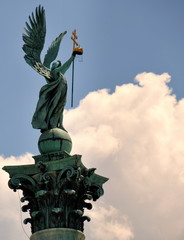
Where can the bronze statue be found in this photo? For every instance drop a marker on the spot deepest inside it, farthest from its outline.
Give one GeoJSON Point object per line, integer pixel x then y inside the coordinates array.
{"type": "Point", "coordinates": [52, 97]}
{"type": "Point", "coordinates": [57, 188]}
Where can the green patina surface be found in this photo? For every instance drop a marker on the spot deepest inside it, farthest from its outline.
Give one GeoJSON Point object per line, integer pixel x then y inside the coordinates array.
{"type": "Point", "coordinates": [56, 187]}
{"type": "Point", "coordinates": [52, 97]}
{"type": "Point", "coordinates": [31, 169]}
{"type": "Point", "coordinates": [54, 140]}
{"type": "Point", "coordinates": [56, 190]}
{"type": "Point", "coordinates": [52, 165]}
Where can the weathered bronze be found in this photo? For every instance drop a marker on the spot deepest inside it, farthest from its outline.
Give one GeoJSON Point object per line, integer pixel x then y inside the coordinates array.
{"type": "Point", "coordinates": [52, 98]}
{"type": "Point", "coordinates": [56, 189]}
{"type": "Point", "coordinates": [57, 185]}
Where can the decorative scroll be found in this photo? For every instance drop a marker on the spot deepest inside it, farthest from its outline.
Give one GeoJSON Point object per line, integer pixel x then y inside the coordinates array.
{"type": "Point", "coordinates": [57, 199]}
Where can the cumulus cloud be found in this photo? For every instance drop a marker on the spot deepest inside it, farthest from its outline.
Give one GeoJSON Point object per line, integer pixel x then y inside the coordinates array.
{"type": "Point", "coordinates": [134, 136]}
{"type": "Point", "coordinates": [10, 214]}
{"type": "Point", "coordinates": [108, 224]}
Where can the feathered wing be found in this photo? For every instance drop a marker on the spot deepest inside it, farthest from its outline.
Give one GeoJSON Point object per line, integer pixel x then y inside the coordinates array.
{"type": "Point", "coordinates": [52, 51]}
{"type": "Point", "coordinates": [34, 40]}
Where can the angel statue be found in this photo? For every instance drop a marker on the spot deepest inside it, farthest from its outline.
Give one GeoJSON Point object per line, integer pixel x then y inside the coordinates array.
{"type": "Point", "coordinates": [52, 97]}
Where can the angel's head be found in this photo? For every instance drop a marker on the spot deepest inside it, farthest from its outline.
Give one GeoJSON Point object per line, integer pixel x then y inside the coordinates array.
{"type": "Point", "coordinates": [56, 65]}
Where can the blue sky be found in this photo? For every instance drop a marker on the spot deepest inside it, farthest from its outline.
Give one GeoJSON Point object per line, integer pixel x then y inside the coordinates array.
{"type": "Point", "coordinates": [120, 38]}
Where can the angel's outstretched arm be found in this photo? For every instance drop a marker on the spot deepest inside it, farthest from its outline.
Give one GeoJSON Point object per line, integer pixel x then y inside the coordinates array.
{"type": "Point", "coordinates": [66, 65]}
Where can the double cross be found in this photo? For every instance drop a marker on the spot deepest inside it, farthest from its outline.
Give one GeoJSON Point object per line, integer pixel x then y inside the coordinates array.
{"type": "Point", "coordinates": [74, 37]}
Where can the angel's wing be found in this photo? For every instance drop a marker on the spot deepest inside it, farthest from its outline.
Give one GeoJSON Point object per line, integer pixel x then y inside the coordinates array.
{"type": "Point", "coordinates": [34, 41]}
{"type": "Point", "coordinates": [52, 52]}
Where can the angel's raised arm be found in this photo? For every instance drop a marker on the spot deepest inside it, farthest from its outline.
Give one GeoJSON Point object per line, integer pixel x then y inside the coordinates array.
{"type": "Point", "coordinates": [66, 65]}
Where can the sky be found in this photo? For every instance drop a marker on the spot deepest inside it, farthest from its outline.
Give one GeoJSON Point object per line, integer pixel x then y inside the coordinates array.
{"type": "Point", "coordinates": [128, 114]}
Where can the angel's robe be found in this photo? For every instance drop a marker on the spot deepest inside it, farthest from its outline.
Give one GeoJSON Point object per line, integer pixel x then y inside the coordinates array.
{"type": "Point", "coordinates": [52, 99]}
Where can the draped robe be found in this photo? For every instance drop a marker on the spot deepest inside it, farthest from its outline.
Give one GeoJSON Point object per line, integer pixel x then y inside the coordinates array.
{"type": "Point", "coordinates": [52, 99]}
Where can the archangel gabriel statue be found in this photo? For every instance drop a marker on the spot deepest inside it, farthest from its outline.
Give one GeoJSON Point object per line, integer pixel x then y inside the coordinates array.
{"type": "Point", "coordinates": [57, 188]}
{"type": "Point", "coordinates": [52, 97]}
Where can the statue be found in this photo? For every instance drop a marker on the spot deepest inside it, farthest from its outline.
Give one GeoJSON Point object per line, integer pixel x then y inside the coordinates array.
{"type": "Point", "coordinates": [52, 97]}
{"type": "Point", "coordinates": [57, 188]}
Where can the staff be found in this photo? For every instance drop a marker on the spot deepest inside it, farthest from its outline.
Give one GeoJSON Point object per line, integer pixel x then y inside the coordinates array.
{"type": "Point", "coordinates": [78, 51]}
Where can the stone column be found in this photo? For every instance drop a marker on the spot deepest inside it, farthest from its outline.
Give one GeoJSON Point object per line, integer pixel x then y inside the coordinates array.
{"type": "Point", "coordinates": [55, 189]}
{"type": "Point", "coordinates": [58, 234]}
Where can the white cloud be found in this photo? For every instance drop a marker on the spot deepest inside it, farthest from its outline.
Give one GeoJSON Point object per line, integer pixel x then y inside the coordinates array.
{"type": "Point", "coordinates": [134, 136]}
{"type": "Point", "coordinates": [10, 214]}
{"type": "Point", "coordinates": [144, 156]}
{"type": "Point", "coordinates": [108, 224]}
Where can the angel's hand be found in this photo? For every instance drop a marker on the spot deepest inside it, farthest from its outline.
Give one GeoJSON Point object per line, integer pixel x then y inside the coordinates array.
{"type": "Point", "coordinates": [77, 51]}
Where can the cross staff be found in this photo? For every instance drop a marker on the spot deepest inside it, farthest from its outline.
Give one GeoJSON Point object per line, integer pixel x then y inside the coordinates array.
{"type": "Point", "coordinates": [74, 37]}
{"type": "Point", "coordinates": [78, 51]}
